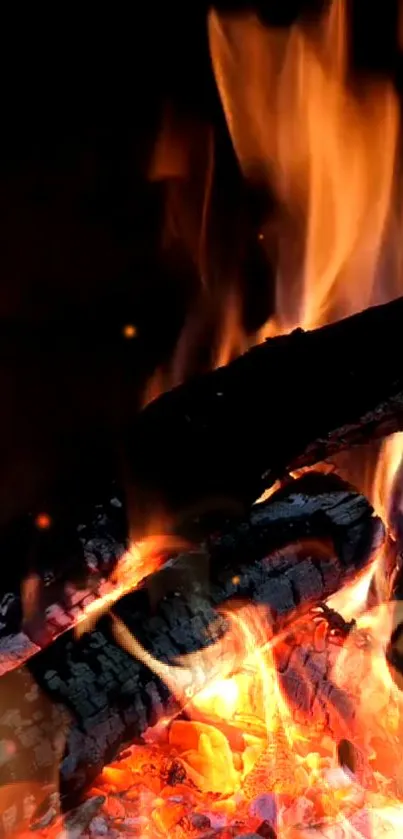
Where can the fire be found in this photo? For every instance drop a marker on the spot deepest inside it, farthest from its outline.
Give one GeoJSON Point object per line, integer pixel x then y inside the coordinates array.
{"type": "Point", "coordinates": [325, 145]}
{"type": "Point", "coordinates": [389, 461]}
{"type": "Point", "coordinates": [246, 753]}
{"type": "Point", "coordinates": [141, 559]}
{"type": "Point", "coordinates": [246, 748]}
{"type": "Point", "coordinates": [328, 150]}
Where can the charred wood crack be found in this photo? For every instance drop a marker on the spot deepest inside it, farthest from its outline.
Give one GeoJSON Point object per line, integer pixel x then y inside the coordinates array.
{"type": "Point", "coordinates": [231, 433]}
{"type": "Point", "coordinates": [111, 697]}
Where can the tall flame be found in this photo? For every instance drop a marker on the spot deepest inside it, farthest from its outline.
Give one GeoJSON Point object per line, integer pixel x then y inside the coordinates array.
{"type": "Point", "coordinates": [324, 145]}
{"type": "Point", "coordinates": [390, 458]}
{"type": "Point", "coordinates": [327, 150]}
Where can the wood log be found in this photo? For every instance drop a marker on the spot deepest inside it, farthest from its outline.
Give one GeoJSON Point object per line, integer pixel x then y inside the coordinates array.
{"type": "Point", "coordinates": [289, 402]}
{"type": "Point", "coordinates": [57, 572]}
{"type": "Point", "coordinates": [308, 508]}
{"type": "Point", "coordinates": [305, 658]}
{"type": "Point", "coordinates": [112, 696]}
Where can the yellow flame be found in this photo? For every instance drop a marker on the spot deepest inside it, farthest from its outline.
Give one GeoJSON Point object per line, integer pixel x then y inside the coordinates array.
{"type": "Point", "coordinates": [329, 151]}
{"type": "Point", "coordinates": [141, 559]}
{"type": "Point", "coordinates": [389, 460]}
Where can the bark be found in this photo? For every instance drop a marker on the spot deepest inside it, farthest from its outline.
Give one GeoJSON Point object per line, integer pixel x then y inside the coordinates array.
{"type": "Point", "coordinates": [305, 660]}
{"type": "Point", "coordinates": [59, 572]}
{"type": "Point", "coordinates": [112, 696]}
{"type": "Point", "coordinates": [287, 403]}
{"type": "Point", "coordinates": [315, 507]}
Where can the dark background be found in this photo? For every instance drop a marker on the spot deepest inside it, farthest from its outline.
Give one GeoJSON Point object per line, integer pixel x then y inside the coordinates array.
{"type": "Point", "coordinates": [82, 98]}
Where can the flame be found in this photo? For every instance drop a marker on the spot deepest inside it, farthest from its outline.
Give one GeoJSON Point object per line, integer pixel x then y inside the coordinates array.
{"type": "Point", "coordinates": [389, 460]}
{"type": "Point", "coordinates": [324, 145]}
{"type": "Point", "coordinates": [243, 746]}
{"type": "Point", "coordinates": [138, 562]}
{"type": "Point", "coordinates": [351, 600]}
{"type": "Point", "coordinates": [221, 311]}
{"type": "Point", "coordinates": [328, 150]}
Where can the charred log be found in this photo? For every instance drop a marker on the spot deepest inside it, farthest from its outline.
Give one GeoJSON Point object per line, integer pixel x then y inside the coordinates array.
{"type": "Point", "coordinates": [113, 697]}
{"type": "Point", "coordinates": [288, 403]}
{"type": "Point", "coordinates": [328, 528]}
{"type": "Point", "coordinates": [57, 572]}
{"type": "Point", "coordinates": [305, 658]}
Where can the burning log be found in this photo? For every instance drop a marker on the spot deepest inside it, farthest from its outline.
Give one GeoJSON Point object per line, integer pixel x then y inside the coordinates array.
{"type": "Point", "coordinates": [280, 408]}
{"type": "Point", "coordinates": [305, 659]}
{"type": "Point", "coordinates": [293, 551]}
{"type": "Point", "coordinates": [61, 570]}
{"type": "Point", "coordinates": [304, 510]}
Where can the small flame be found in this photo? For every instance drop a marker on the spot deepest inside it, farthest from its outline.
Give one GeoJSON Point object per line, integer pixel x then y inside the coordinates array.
{"type": "Point", "coordinates": [142, 559]}
{"type": "Point", "coordinates": [351, 600]}
{"type": "Point", "coordinates": [389, 460]}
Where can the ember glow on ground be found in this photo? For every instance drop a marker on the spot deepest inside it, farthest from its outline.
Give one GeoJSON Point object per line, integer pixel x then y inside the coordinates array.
{"type": "Point", "coordinates": [244, 761]}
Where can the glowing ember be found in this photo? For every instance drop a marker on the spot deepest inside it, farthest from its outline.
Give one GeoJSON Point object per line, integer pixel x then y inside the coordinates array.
{"type": "Point", "coordinates": [43, 521]}
{"type": "Point", "coordinates": [246, 755]}
{"type": "Point", "coordinates": [129, 331]}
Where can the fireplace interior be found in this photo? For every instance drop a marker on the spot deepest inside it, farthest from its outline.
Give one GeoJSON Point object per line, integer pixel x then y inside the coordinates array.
{"type": "Point", "coordinates": [201, 518]}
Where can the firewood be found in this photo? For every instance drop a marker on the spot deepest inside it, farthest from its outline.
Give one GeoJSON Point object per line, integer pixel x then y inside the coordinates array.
{"type": "Point", "coordinates": [57, 572]}
{"type": "Point", "coordinates": [290, 402]}
{"type": "Point", "coordinates": [113, 697]}
{"type": "Point", "coordinates": [316, 507]}
{"type": "Point", "coordinates": [305, 661]}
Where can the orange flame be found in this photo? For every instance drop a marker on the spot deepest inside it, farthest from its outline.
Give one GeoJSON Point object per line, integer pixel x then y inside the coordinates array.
{"type": "Point", "coordinates": [242, 738]}
{"type": "Point", "coordinates": [139, 561]}
{"type": "Point", "coordinates": [326, 147]}
{"type": "Point", "coordinates": [389, 460]}
{"type": "Point", "coordinates": [328, 151]}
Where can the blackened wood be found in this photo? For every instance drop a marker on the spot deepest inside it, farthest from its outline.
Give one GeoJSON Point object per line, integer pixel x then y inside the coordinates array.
{"type": "Point", "coordinates": [289, 402]}
{"type": "Point", "coordinates": [316, 507]}
{"type": "Point", "coordinates": [308, 512]}
{"type": "Point", "coordinates": [67, 565]}
{"type": "Point", "coordinates": [113, 697]}
{"type": "Point", "coordinates": [305, 659]}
